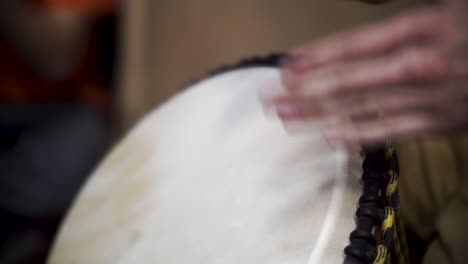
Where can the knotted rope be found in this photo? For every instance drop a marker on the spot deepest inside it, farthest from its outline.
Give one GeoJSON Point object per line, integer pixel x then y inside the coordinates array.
{"type": "Point", "coordinates": [379, 237]}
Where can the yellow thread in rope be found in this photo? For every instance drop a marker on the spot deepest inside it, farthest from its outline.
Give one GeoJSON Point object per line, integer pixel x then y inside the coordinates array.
{"type": "Point", "coordinates": [392, 185]}
{"type": "Point", "coordinates": [389, 219]}
{"type": "Point", "coordinates": [389, 151]}
{"type": "Point", "coordinates": [381, 255]}
{"type": "Point", "coordinates": [391, 216]}
{"type": "Point", "coordinates": [382, 250]}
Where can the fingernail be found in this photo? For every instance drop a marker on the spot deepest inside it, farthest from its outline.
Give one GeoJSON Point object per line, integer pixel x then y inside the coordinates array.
{"type": "Point", "coordinates": [270, 92]}
{"type": "Point", "coordinates": [288, 111]}
{"type": "Point", "coordinates": [289, 79]}
{"type": "Point", "coordinates": [297, 63]}
{"type": "Point", "coordinates": [289, 60]}
{"type": "Point", "coordinates": [289, 75]}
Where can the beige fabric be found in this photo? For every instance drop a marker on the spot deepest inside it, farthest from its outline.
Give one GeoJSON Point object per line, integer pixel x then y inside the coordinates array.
{"type": "Point", "coordinates": [434, 190]}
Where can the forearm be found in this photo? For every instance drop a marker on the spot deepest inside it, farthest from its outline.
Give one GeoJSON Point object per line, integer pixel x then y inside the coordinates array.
{"type": "Point", "coordinates": [50, 41]}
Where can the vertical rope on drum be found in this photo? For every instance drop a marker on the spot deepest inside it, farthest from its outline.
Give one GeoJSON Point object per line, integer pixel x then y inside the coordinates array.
{"type": "Point", "coordinates": [378, 206]}
{"type": "Point", "coordinates": [369, 214]}
{"type": "Point", "coordinates": [392, 200]}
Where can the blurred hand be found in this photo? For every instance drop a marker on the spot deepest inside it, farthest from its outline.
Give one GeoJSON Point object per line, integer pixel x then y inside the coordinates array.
{"type": "Point", "coordinates": [401, 78]}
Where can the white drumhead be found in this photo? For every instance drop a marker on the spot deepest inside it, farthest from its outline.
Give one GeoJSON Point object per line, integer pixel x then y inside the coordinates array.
{"type": "Point", "coordinates": [208, 179]}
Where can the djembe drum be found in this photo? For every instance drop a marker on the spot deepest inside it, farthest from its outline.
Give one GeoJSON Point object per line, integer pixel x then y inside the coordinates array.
{"type": "Point", "coordinates": [208, 178]}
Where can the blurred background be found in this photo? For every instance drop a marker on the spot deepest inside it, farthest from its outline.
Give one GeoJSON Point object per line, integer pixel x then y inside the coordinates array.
{"type": "Point", "coordinates": [75, 75]}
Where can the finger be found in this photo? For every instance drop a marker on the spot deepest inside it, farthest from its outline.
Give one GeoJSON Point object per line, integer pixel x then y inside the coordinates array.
{"type": "Point", "coordinates": [395, 128]}
{"type": "Point", "coordinates": [389, 101]}
{"type": "Point", "coordinates": [295, 111]}
{"type": "Point", "coordinates": [386, 100]}
{"type": "Point", "coordinates": [368, 40]}
{"type": "Point", "coordinates": [413, 64]}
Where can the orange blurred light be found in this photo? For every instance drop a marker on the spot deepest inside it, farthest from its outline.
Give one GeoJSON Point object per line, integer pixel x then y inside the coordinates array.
{"type": "Point", "coordinates": [81, 6]}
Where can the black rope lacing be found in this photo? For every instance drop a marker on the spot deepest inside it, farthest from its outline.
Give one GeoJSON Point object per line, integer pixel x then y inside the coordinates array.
{"type": "Point", "coordinates": [378, 207]}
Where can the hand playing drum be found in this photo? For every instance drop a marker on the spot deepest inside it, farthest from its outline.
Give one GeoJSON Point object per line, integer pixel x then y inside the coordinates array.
{"type": "Point", "coordinates": [412, 70]}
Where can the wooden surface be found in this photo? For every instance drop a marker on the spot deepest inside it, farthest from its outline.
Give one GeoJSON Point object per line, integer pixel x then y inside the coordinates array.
{"type": "Point", "coordinates": [208, 178]}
